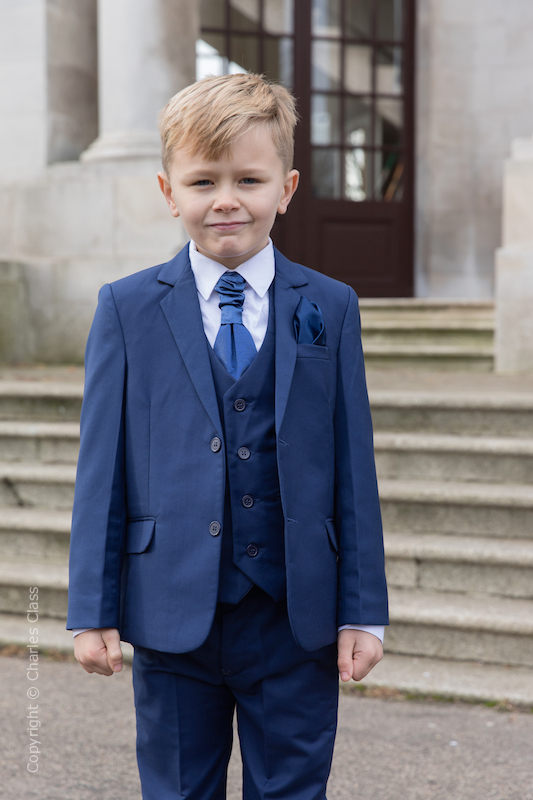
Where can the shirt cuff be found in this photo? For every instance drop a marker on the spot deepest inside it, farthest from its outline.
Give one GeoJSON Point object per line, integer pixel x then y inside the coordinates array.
{"type": "Point", "coordinates": [375, 630]}
{"type": "Point", "coordinates": [75, 631]}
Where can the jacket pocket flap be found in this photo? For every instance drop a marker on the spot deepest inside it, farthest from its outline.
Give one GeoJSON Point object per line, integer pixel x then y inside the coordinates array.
{"type": "Point", "coordinates": [332, 534]}
{"type": "Point", "coordinates": [139, 534]}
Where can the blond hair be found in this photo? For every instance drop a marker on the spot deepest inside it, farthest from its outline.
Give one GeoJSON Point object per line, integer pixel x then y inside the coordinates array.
{"type": "Point", "coordinates": [206, 117]}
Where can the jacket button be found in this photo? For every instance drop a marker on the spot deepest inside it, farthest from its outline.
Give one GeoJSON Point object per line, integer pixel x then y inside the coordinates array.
{"type": "Point", "coordinates": [214, 528]}
{"type": "Point", "coordinates": [239, 404]}
{"type": "Point", "coordinates": [252, 550]}
{"type": "Point", "coordinates": [215, 444]}
{"type": "Point", "coordinates": [243, 453]}
{"type": "Point", "coordinates": [247, 500]}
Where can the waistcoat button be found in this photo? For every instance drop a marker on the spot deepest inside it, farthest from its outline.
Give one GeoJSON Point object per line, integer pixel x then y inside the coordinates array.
{"type": "Point", "coordinates": [214, 528]}
{"type": "Point", "coordinates": [215, 444]}
{"type": "Point", "coordinates": [252, 550]}
{"type": "Point", "coordinates": [243, 452]}
{"type": "Point", "coordinates": [247, 500]}
{"type": "Point", "coordinates": [239, 404]}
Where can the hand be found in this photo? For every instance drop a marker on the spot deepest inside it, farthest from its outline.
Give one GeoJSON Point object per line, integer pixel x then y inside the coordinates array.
{"type": "Point", "coordinates": [358, 653]}
{"type": "Point", "coordinates": [98, 650]}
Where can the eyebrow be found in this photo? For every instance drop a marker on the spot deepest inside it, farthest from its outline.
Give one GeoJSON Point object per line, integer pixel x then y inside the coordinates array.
{"type": "Point", "coordinates": [201, 172]}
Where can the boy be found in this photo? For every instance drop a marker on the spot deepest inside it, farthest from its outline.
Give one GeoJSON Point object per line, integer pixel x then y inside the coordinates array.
{"type": "Point", "coordinates": [226, 519]}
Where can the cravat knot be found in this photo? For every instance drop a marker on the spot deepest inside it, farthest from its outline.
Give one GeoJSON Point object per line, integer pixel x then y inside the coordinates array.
{"type": "Point", "coordinates": [230, 288]}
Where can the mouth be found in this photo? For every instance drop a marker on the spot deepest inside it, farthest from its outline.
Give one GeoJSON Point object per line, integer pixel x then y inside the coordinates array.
{"type": "Point", "coordinates": [227, 227]}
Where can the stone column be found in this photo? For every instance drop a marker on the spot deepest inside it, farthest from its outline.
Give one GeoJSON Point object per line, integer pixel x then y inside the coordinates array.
{"type": "Point", "coordinates": [514, 264]}
{"type": "Point", "coordinates": [146, 53]}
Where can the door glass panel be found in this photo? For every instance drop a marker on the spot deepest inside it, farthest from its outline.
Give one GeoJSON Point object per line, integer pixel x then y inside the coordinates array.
{"type": "Point", "coordinates": [244, 15]}
{"type": "Point", "coordinates": [326, 18]}
{"type": "Point", "coordinates": [325, 119]}
{"type": "Point", "coordinates": [359, 19]}
{"type": "Point", "coordinates": [389, 121]}
{"type": "Point", "coordinates": [356, 168]}
{"type": "Point", "coordinates": [358, 68]}
{"type": "Point", "coordinates": [390, 19]}
{"type": "Point", "coordinates": [213, 14]}
{"type": "Point", "coordinates": [210, 58]}
{"type": "Point", "coordinates": [326, 173]}
{"type": "Point", "coordinates": [278, 59]}
{"type": "Point", "coordinates": [389, 78]}
{"type": "Point", "coordinates": [389, 168]}
{"type": "Point", "coordinates": [244, 54]}
{"type": "Point", "coordinates": [326, 65]}
{"type": "Point", "coordinates": [358, 121]}
{"type": "Point", "coordinates": [278, 16]}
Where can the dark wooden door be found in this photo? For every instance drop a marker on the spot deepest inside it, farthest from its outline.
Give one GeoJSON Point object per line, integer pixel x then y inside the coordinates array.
{"type": "Point", "coordinates": [350, 65]}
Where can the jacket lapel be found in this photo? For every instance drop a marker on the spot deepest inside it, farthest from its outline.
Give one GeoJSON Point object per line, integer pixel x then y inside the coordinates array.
{"type": "Point", "coordinates": [182, 311]}
{"type": "Point", "coordinates": [286, 299]}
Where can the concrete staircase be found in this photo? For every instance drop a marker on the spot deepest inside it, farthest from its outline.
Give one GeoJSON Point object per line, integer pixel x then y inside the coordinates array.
{"type": "Point", "coordinates": [39, 440]}
{"type": "Point", "coordinates": [455, 468]}
{"type": "Point", "coordinates": [428, 334]}
{"type": "Point", "coordinates": [455, 462]}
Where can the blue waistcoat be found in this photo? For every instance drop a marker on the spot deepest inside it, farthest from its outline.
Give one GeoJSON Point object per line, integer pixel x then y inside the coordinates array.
{"type": "Point", "coordinates": [252, 531]}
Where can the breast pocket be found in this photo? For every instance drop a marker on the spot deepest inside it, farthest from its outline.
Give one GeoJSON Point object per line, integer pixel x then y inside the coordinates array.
{"type": "Point", "coordinates": [139, 534]}
{"type": "Point", "coordinates": [305, 350]}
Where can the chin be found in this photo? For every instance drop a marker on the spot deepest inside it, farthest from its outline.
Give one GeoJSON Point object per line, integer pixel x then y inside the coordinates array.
{"type": "Point", "coordinates": [232, 252]}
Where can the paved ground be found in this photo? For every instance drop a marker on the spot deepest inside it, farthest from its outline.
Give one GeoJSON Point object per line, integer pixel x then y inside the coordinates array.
{"type": "Point", "coordinates": [386, 749]}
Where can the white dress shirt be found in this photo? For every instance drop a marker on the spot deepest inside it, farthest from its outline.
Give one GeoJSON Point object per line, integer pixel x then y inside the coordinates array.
{"type": "Point", "coordinates": [259, 273]}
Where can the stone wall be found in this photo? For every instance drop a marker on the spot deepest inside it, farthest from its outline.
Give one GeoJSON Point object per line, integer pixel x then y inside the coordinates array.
{"type": "Point", "coordinates": [80, 203]}
{"type": "Point", "coordinates": [48, 93]}
{"type": "Point", "coordinates": [474, 88]}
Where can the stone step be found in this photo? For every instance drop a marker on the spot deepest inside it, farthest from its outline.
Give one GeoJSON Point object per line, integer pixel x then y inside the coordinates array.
{"type": "Point", "coordinates": [37, 485]}
{"type": "Point", "coordinates": [451, 457]}
{"type": "Point", "coordinates": [425, 334]}
{"type": "Point", "coordinates": [461, 627]}
{"type": "Point", "coordinates": [479, 357]}
{"type": "Point", "coordinates": [502, 567]}
{"type": "Point", "coordinates": [438, 411]}
{"type": "Point", "coordinates": [459, 680]}
{"type": "Point", "coordinates": [42, 532]}
{"type": "Point", "coordinates": [472, 509]}
{"type": "Point", "coordinates": [52, 635]}
{"type": "Point", "coordinates": [426, 308]}
{"type": "Point", "coordinates": [430, 333]}
{"type": "Point", "coordinates": [16, 578]}
{"type": "Point", "coordinates": [423, 623]}
{"type": "Point", "coordinates": [440, 323]}
{"type": "Point", "coordinates": [415, 328]}
{"type": "Point", "coordinates": [40, 400]}
{"type": "Point", "coordinates": [470, 681]}
{"type": "Point", "coordinates": [39, 441]}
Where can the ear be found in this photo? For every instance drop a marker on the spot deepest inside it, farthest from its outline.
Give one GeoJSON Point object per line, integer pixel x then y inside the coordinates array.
{"type": "Point", "coordinates": [166, 188]}
{"type": "Point", "coordinates": [289, 187]}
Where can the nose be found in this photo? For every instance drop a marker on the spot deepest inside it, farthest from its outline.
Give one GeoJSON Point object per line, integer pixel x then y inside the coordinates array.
{"type": "Point", "coordinates": [225, 200]}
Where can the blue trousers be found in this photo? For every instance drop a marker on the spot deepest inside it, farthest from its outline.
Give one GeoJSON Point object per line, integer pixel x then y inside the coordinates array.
{"type": "Point", "coordinates": [286, 700]}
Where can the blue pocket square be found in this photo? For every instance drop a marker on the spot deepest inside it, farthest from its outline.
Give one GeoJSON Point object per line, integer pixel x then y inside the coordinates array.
{"type": "Point", "coordinates": [308, 323]}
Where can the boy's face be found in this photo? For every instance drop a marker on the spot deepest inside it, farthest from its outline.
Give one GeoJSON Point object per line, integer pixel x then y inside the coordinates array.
{"type": "Point", "coordinates": [229, 206]}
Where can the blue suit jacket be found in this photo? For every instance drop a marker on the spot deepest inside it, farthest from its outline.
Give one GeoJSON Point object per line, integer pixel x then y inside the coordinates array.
{"type": "Point", "coordinates": [148, 485]}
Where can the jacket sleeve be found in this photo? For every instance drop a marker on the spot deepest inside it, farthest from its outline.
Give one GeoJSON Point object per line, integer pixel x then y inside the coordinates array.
{"type": "Point", "coordinates": [362, 586]}
{"type": "Point", "coordinates": [99, 510]}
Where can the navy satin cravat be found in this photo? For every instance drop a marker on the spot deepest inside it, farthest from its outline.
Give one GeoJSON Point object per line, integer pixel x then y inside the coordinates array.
{"type": "Point", "coordinates": [234, 344]}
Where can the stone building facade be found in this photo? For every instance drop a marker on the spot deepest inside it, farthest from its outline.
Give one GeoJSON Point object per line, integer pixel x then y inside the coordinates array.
{"type": "Point", "coordinates": [81, 83]}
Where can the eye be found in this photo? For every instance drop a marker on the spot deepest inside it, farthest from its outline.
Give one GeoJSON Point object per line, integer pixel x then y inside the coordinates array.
{"type": "Point", "coordinates": [202, 182]}
{"type": "Point", "coordinates": [249, 181]}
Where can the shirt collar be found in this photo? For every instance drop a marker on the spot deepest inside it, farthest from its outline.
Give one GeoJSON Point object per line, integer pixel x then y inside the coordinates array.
{"type": "Point", "coordinates": [258, 271]}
